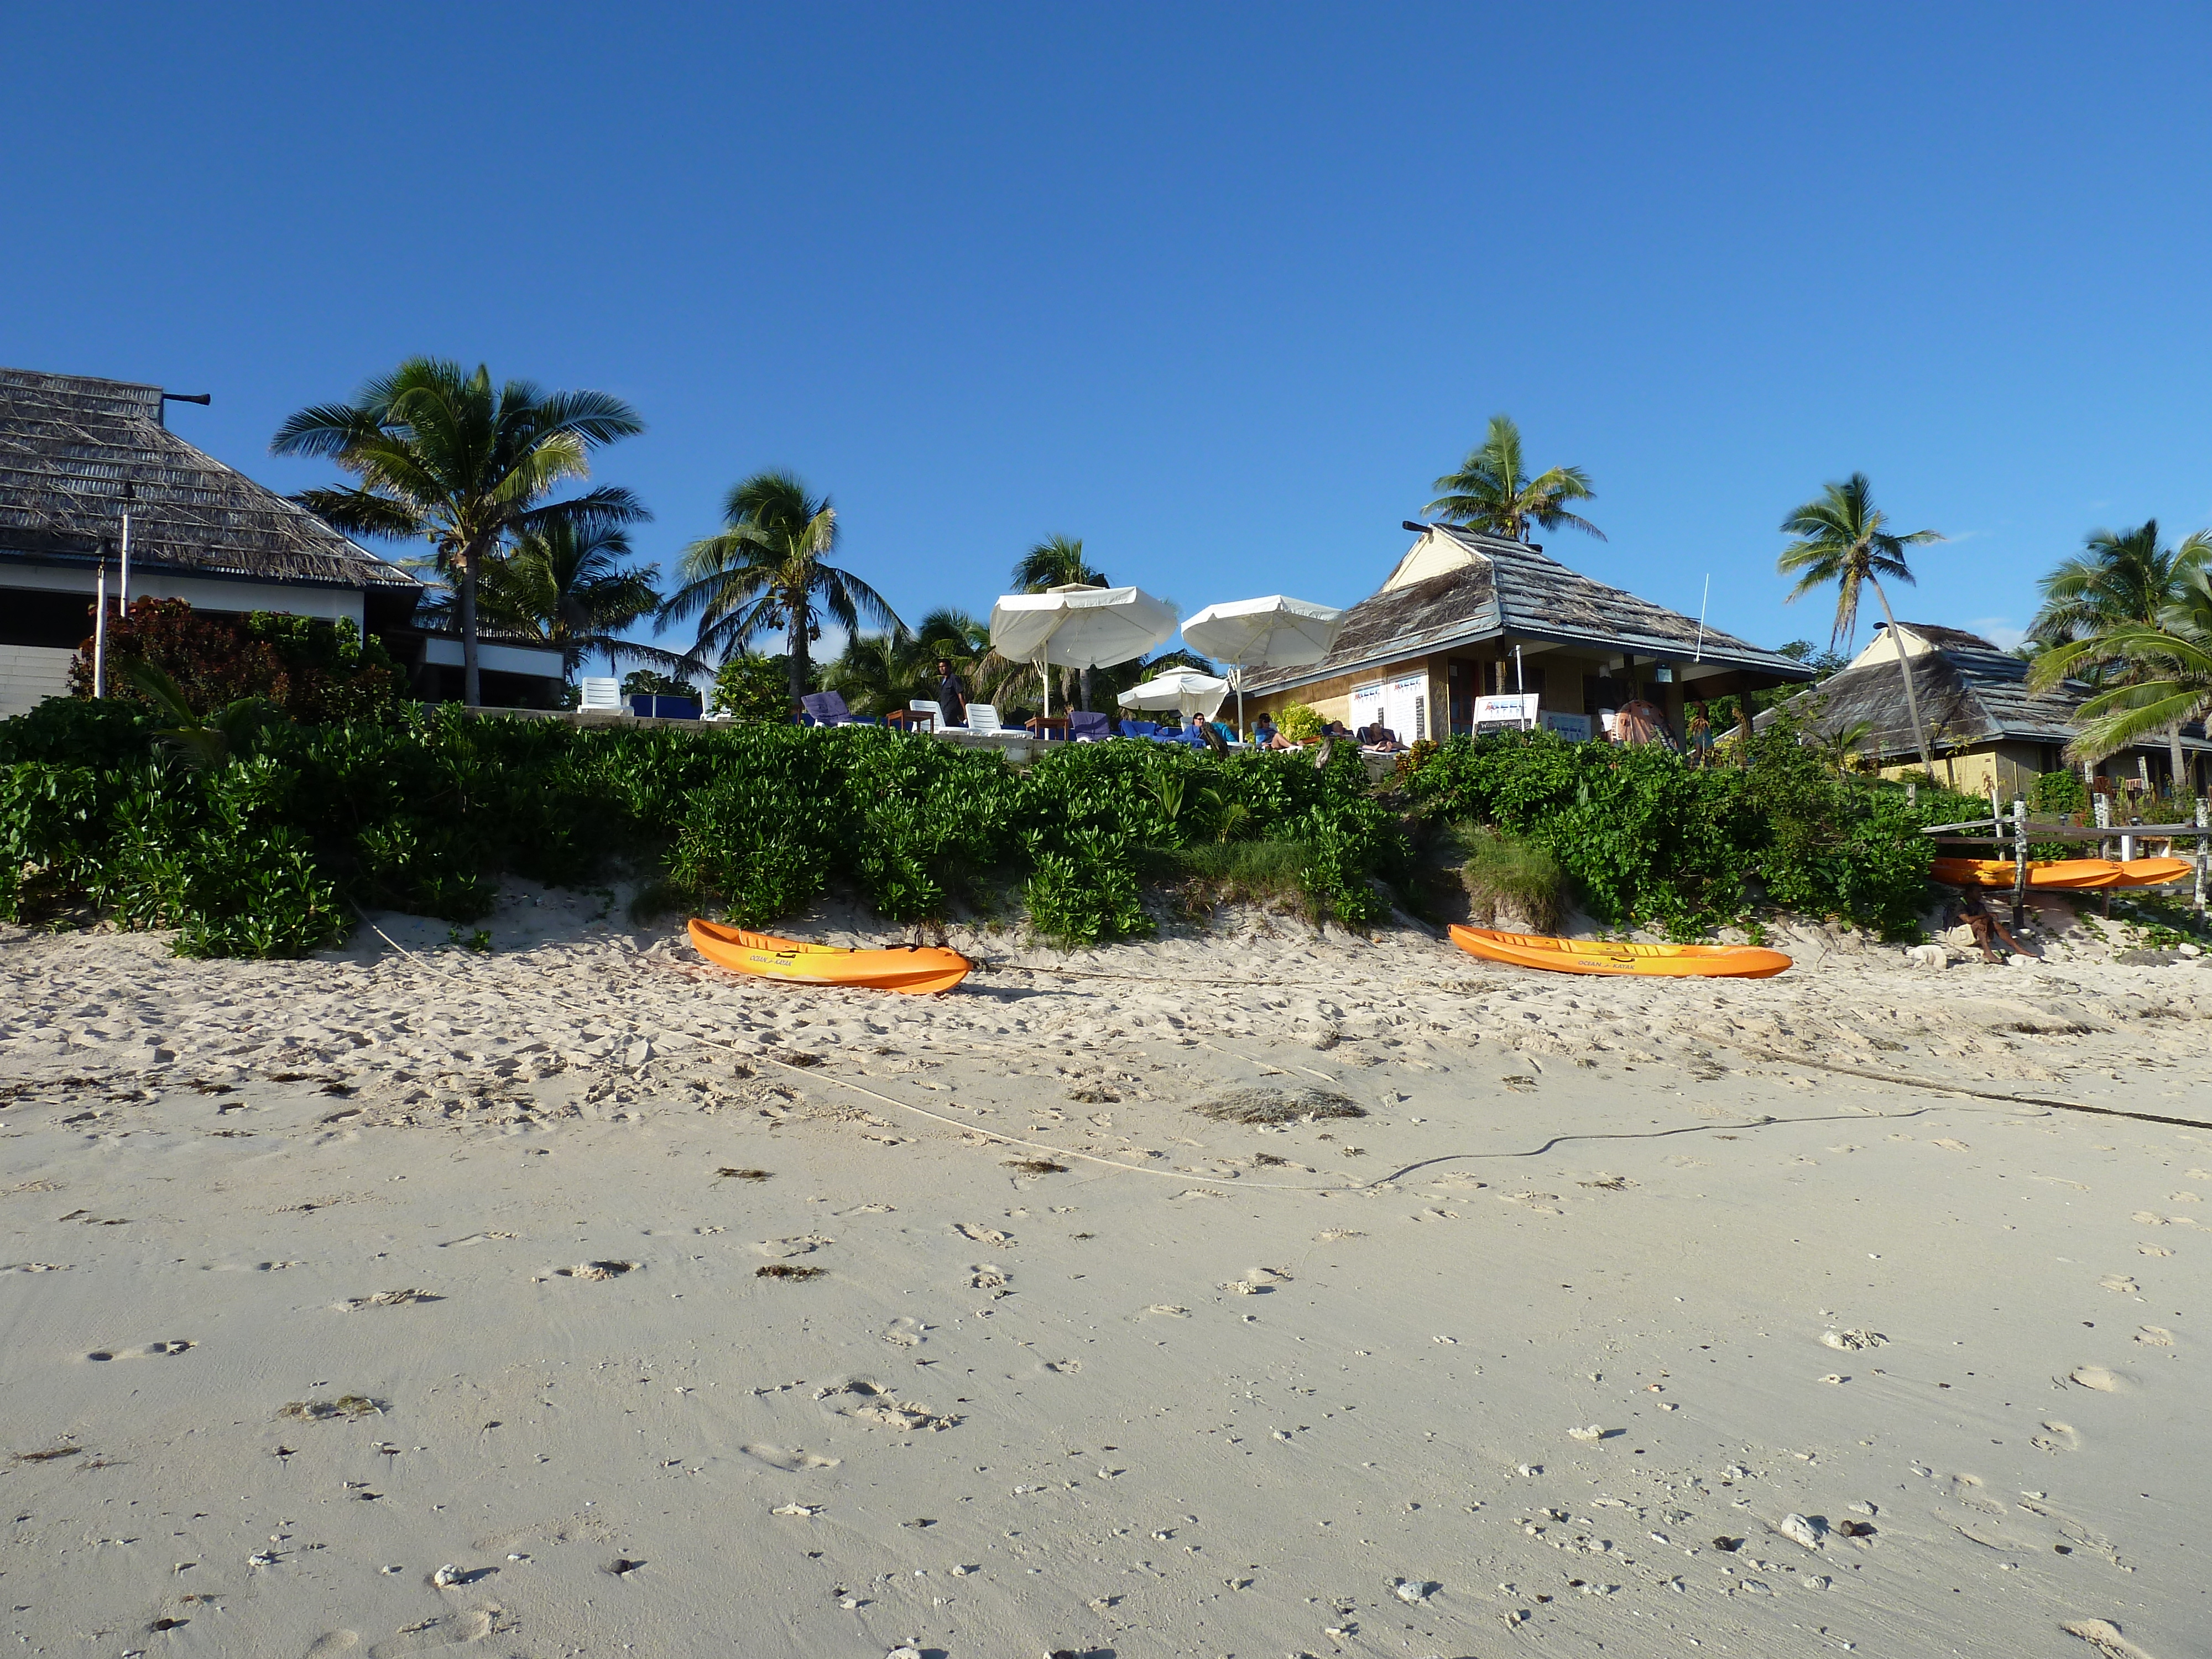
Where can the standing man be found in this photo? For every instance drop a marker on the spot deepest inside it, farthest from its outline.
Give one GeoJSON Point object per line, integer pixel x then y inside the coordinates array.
{"type": "Point", "coordinates": [951, 697]}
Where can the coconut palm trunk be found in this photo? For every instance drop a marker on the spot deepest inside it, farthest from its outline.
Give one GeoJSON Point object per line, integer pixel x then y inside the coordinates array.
{"type": "Point", "coordinates": [471, 678]}
{"type": "Point", "coordinates": [799, 658]}
{"type": "Point", "coordinates": [1905, 667]}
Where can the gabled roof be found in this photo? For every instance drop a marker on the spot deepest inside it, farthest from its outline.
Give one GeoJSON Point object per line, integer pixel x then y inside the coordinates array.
{"type": "Point", "coordinates": [1456, 587]}
{"type": "Point", "coordinates": [69, 445]}
{"type": "Point", "coordinates": [1970, 693]}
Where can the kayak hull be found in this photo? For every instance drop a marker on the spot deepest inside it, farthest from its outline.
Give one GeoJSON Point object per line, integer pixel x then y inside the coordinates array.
{"type": "Point", "coordinates": [912, 970]}
{"type": "Point", "coordinates": [1579, 955]}
{"type": "Point", "coordinates": [2063, 875]}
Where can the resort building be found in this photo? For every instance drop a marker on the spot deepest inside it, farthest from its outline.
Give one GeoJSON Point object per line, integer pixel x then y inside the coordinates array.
{"type": "Point", "coordinates": [1984, 725]}
{"type": "Point", "coordinates": [1466, 616]}
{"type": "Point", "coordinates": [77, 455]}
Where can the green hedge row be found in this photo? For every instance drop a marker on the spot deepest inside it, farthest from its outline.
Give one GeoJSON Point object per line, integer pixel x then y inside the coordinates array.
{"type": "Point", "coordinates": [267, 853]}
{"type": "Point", "coordinates": [270, 852]}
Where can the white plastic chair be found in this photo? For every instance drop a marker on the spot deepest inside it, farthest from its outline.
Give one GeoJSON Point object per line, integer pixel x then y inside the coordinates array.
{"type": "Point", "coordinates": [599, 693]}
{"type": "Point", "coordinates": [935, 711]}
{"type": "Point", "coordinates": [983, 721]}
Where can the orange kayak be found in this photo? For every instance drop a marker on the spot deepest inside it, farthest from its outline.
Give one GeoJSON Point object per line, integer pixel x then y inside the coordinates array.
{"type": "Point", "coordinates": [913, 968]}
{"type": "Point", "coordinates": [1584, 956]}
{"type": "Point", "coordinates": [2068, 874]}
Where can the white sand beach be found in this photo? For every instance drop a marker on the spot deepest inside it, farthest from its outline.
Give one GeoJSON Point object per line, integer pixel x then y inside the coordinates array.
{"type": "Point", "coordinates": [576, 1298]}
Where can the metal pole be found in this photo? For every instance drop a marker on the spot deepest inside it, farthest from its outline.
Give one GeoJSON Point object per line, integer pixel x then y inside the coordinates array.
{"type": "Point", "coordinates": [2020, 864]}
{"type": "Point", "coordinates": [122, 578]}
{"type": "Point", "coordinates": [100, 633]}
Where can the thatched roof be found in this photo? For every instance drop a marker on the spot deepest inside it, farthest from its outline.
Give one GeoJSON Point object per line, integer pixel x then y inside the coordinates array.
{"type": "Point", "coordinates": [1487, 588]}
{"type": "Point", "coordinates": [1970, 692]}
{"type": "Point", "coordinates": [69, 445]}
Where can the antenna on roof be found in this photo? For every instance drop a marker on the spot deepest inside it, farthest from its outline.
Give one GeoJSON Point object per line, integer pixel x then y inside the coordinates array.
{"type": "Point", "coordinates": [202, 398]}
{"type": "Point", "coordinates": [1700, 655]}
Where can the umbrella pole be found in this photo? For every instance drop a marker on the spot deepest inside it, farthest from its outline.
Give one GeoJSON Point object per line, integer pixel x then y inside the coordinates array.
{"type": "Point", "coordinates": [1236, 674]}
{"type": "Point", "coordinates": [1045, 673]}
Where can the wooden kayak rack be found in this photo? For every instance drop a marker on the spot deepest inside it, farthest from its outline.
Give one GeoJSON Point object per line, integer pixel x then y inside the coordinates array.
{"type": "Point", "coordinates": [2013, 831]}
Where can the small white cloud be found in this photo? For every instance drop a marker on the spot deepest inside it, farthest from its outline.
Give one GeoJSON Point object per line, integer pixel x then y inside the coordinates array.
{"type": "Point", "coordinates": [2000, 632]}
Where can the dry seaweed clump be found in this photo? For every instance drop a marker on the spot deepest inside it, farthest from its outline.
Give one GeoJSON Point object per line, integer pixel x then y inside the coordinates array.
{"type": "Point", "coordinates": [1277, 1106]}
{"type": "Point", "coordinates": [785, 1270]}
{"type": "Point", "coordinates": [323, 1411]}
{"type": "Point", "coordinates": [1037, 1166]}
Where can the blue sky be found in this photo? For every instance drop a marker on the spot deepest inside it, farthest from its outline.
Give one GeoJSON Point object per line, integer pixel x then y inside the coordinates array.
{"type": "Point", "coordinates": [1219, 289]}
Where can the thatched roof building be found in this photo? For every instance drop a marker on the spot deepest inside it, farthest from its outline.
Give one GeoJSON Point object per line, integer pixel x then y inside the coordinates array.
{"type": "Point", "coordinates": [77, 454]}
{"type": "Point", "coordinates": [1465, 614]}
{"type": "Point", "coordinates": [1983, 723]}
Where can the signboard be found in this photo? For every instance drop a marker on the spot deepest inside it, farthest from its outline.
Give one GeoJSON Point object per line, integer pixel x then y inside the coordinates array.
{"type": "Point", "coordinates": [1574, 728]}
{"type": "Point", "coordinates": [1517, 709]}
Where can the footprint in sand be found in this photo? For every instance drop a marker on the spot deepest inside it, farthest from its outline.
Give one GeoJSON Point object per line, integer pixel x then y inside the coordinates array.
{"type": "Point", "coordinates": [2121, 1284]}
{"type": "Point", "coordinates": [984, 1277]}
{"type": "Point", "coordinates": [329, 1642]}
{"type": "Point", "coordinates": [862, 1401]}
{"type": "Point", "coordinates": [388, 1299]}
{"type": "Point", "coordinates": [590, 1272]}
{"type": "Point", "coordinates": [149, 1351]}
{"type": "Point", "coordinates": [457, 1631]}
{"type": "Point", "coordinates": [792, 1459]}
{"type": "Point", "coordinates": [982, 1235]}
{"type": "Point", "coordinates": [2155, 1336]}
{"type": "Point", "coordinates": [2152, 1249]}
{"type": "Point", "coordinates": [783, 1249]}
{"type": "Point", "coordinates": [2057, 1437]}
{"type": "Point", "coordinates": [2103, 1636]}
{"type": "Point", "coordinates": [2103, 1381]}
{"type": "Point", "coordinates": [904, 1332]}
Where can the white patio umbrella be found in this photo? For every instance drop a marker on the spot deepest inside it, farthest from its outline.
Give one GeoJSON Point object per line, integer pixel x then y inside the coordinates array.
{"type": "Point", "coordinates": [1079, 628]}
{"type": "Point", "coordinates": [1183, 689]}
{"type": "Point", "coordinates": [1271, 633]}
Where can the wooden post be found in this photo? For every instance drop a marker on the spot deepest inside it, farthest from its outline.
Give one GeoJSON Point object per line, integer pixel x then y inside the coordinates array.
{"type": "Point", "coordinates": [2020, 864]}
{"type": "Point", "coordinates": [2102, 803]}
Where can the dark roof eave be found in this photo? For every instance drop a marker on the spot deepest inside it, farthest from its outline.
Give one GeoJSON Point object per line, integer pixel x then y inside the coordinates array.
{"type": "Point", "coordinates": [399, 580]}
{"type": "Point", "coordinates": [1782, 668]}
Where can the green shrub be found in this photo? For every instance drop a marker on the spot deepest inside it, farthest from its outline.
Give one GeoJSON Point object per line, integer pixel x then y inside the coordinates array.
{"type": "Point", "coordinates": [2058, 792]}
{"type": "Point", "coordinates": [1503, 870]}
{"type": "Point", "coordinates": [1298, 722]}
{"type": "Point", "coordinates": [1648, 840]}
{"type": "Point", "coordinates": [753, 689]}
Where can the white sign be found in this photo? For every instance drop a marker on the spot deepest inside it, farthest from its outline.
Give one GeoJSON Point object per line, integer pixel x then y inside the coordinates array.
{"type": "Point", "coordinates": [1516, 708]}
{"type": "Point", "coordinates": [1574, 728]}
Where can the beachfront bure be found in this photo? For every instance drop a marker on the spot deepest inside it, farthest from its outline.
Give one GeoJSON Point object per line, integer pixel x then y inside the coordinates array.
{"type": "Point", "coordinates": [78, 455]}
{"type": "Point", "coordinates": [1465, 615]}
{"type": "Point", "coordinates": [1989, 725]}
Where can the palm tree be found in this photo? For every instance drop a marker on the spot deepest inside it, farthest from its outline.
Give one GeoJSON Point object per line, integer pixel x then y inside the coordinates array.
{"type": "Point", "coordinates": [567, 587]}
{"type": "Point", "coordinates": [441, 455]}
{"type": "Point", "coordinates": [1493, 492]}
{"type": "Point", "coordinates": [2118, 581]}
{"type": "Point", "coordinates": [1058, 562]}
{"type": "Point", "coordinates": [875, 672]}
{"type": "Point", "coordinates": [770, 570]}
{"type": "Point", "coordinates": [2119, 577]}
{"type": "Point", "coordinates": [2160, 669]}
{"type": "Point", "coordinates": [1842, 537]}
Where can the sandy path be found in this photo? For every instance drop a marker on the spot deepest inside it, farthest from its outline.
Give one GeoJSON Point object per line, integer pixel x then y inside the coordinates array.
{"type": "Point", "coordinates": [1263, 1390]}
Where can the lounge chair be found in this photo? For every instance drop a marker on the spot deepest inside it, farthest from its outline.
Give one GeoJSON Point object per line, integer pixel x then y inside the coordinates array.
{"type": "Point", "coordinates": [1086, 728]}
{"type": "Point", "coordinates": [934, 711]}
{"type": "Point", "coordinates": [983, 721]}
{"type": "Point", "coordinates": [827, 708]}
{"type": "Point", "coordinates": [599, 693]}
